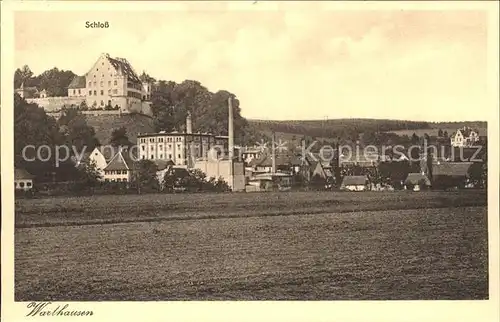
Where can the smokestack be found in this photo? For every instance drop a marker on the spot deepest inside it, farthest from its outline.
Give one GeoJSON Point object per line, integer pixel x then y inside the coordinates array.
{"type": "Point", "coordinates": [230, 129]}
{"type": "Point", "coordinates": [273, 154]}
{"type": "Point", "coordinates": [189, 124]}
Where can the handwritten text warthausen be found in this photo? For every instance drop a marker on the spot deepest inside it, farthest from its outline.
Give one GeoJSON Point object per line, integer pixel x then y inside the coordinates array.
{"type": "Point", "coordinates": [49, 309]}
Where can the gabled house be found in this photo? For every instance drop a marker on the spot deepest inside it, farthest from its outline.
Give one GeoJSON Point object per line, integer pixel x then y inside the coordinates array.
{"type": "Point", "coordinates": [23, 180]}
{"type": "Point", "coordinates": [101, 156]}
{"type": "Point", "coordinates": [120, 168]}
{"type": "Point", "coordinates": [355, 183]}
{"type": "Point", "coordinates": [464, 137]}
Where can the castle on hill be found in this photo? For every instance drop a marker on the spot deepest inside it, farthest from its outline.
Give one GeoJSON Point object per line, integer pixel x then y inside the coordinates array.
{"type": "Point", "coordinates": [111, 86]}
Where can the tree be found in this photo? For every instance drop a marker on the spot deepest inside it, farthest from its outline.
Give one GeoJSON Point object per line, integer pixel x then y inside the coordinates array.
{"type": "Point", "coordinates": [440, 133]}
{"type": "Point", "coordinates": [119, 138]}
{"type": "Point", "coordinates": [22, 75]}
{"type": "Point", "coordinates": [77, 134]}
{"type": "Point", "coordinates": [415, 139]}
{"type": "Point", "coordinates": [445, 134]}
{"type": "Point", "coordinates": [145, 176]}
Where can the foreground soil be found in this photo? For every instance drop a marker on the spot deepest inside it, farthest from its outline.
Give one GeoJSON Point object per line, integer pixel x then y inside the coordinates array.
{"type": "Point", "coordinates": [407, 254]}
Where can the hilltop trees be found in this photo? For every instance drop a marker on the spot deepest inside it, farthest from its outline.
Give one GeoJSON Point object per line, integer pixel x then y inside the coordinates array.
{"type": "Point", "coordinates": [209, 111]}
{"type": "Point", "coordinates": [75, 131]}
{"type": "Point", "coordinates": [119, 138]}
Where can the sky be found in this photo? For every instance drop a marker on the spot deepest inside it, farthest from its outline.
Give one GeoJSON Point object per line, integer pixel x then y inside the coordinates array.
{"type": "Point", "coordinates": [286, 64]}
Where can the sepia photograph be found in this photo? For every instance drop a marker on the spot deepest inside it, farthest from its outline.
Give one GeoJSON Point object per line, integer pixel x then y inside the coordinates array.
{"type": "Point", "coordinates": [253, 151]}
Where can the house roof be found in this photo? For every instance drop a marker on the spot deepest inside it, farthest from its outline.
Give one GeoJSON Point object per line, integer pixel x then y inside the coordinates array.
{"type": "Point", "coordinates": [123, 65]}
{"type": "Point", "coordinates": [354, 180]}
{"type": "Point", "coordinates": [266, 160]}
{"type": "Point", "coordinates": [163, 164]}
{"type": "Point", "coordinates": [121, 161]}
{"type": "Point", "coordinates": [416, 178]}
{"type": "Point", "coordinates": [77, 82]}
{"type": "Point", "coordinates": [454, 169]}
{"type": "Point", "coordinates": [21, 174]}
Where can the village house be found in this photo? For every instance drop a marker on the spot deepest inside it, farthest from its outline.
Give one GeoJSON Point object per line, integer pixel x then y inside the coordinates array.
{"type": "Point", "coordinates": [284, 163]}
{"type": "Point", "coordinates": [464, 137]}
{"type": "Point", "coordinates": [355, 183]}
{"type": "Point", "coordinates": [417, 182]}
{"type": "Point", "coordinates": [450, 174]}
{"type": "Point", "coordinates": [23, 180]}
{"type": "Point", "coordinates": [120, 168]}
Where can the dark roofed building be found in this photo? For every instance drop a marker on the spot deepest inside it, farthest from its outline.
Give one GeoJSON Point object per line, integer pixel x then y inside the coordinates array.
{"type": "Point", "coordinates": [355, 183]}
{"type": "Point", "coordinates": [450, 174]}
{"type": "Point", "coordinates": [417, 181]}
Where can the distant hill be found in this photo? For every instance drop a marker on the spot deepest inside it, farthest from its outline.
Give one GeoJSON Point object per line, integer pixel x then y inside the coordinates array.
{"type": "Point", "coordinates": [134, 123]}
{"type": "Point", "coordinates": [336, 127]}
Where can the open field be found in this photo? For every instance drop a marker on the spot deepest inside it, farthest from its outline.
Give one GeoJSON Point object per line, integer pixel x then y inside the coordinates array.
{"type": "Point", "coordinates": [348, 251]}
{"type": "Point", "coordinates": [159, 207]}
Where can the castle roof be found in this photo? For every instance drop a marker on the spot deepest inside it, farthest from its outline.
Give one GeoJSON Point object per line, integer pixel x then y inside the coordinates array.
{"type": "Point", "coordinates": [123, 65]}
{"type": "Point", "coordinates": [77, 82]}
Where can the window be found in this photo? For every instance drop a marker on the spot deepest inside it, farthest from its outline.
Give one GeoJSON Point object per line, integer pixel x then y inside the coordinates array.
{"type": "Point", "coordinates": [28, 184]}
{"type": "Point", "coordinates": [102, 103]}
{"type": "Point", "coordinates": [161, 147]}
{"type": "Point", "coordinates": [115, 91]}
{"type": "Point", "coordinates": [152, 156]}
{"type": "Point", "coordinates": [79, 92]}
{"type": "Point", "coordinates": [179, 156]}
{"type": "Point", "coordinates": [109, 91]}
{"type": "Point", "coordinates": [116, 83]}
{"type": "Point", "coordinates": [21, 184]}
{"type": "Point", "coordinates": [161, 156]}
{"type": "Point", "coordinates": [152, 148]}
{"type": "Point", "coordinates": [151, 140]}
{"type": "Point", "coordinates": [95, 84]}
{"type": "Point", "coordinates": [102, 92]}
{"type": "Point", "coordinates": [143, 147]}
{"type": "Point", "coordinates": [143, 157]}
{"type": "Point", "coordinates": [170, 146]}
{"type": "Point", "coordinates": [102, 83]}
{"type": "Point", "coordinates": [90, 93]}
{"type": "Point", "coordinates": [90, 84]}
{"type": "Point", "coordinates": [170, 156]}
{"type": "Point", "coordinates": [109, 83]}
